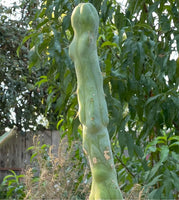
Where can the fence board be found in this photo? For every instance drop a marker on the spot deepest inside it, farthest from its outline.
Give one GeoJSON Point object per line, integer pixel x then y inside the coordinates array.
{"type": "Point", "coordinates": [13, 154]}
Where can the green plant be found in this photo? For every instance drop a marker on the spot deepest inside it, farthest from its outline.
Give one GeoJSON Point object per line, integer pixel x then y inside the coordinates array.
{"type": "Point", "coordinates": [162, 179]}
{"type": "Point", "coordinates": [64, 176]}
{"type": "Point", "coordinates": [21, 100]}
{"type": "Point", "coordinates": [93, 112]}
{"type": "Point", "coordinates": [12, 187]}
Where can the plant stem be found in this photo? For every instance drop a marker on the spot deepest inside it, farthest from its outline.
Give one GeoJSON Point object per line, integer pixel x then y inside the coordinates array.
{"type": "Point", "coordinates": [93, 113]}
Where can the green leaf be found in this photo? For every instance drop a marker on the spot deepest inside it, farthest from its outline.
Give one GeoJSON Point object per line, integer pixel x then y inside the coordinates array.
{"type": "Point", "coordinates": [33, 156]}
{"type": "Point", "coordinates": [156, 194]}
{"type": "Point", "coordinates": [59, 123]}
{"type": "Point", "coordinates": [174, 138]}
{"type": "Point", "coordinates": [7, 177]}
{"type": "Point", "coordinates": [42, 13]}
{"type": "Point", "coordinates": [122, 139]}
{"type": "Point", "coordinates": [44, 79]}
{"type": "Point", "coordinates": [104, 10]}
{"type": "Point", "coordinates": [176, 180]}
{"type": "Point", "coordinates": [175, 156]}
{"type": "Point", "coordinates": [155, 180]}
{"type": "Point", "coordinates": [42, 23]}
{"type": "Point", "coordinates": [119, 18]}
{"type": "Point", "coordinates": [153, 98]}
{"type": "Point", "coordinates": [44, 146]}
{"type": "Point", "coordinates": [50, 99]}
{"type": "Point", "coordinates": [138, 151]}
{"type": "Point", "coordinates": [142, 25]}
{"type": "Point", "coordinates": [30, 148]}
{"type": "Point", "coordinates": [141, 54]}
{"type": "Point", "coordinates": [130, 144]}
{"type": "Point", "coordinates": [164, 153]}
{"type": "Point", "coordinates": [165, 23]}
{"type": "Point", "coordinates": [167, 181]}
{"type": "Point", "coordinates": [108, 43]}
{"type": "Point", "coordinates": [171, 69]}
{"type": "Point", "coordinates": [162, 139]}
{"type": "Point", "coordinates": [66, 22]}
{"type": "Point", "coordinates": [174, 144]}
{"type": "Point", "coordinates": [151, 147]}
{"type": "Point", "coordinates": [153, 171]}
{"type": "Point", "coordinates": [13, 172]}
{"type": "Point", "coordinates": [108, 67]}
{"type": "Point", "coordinates": [20, 176]}
{"type": "Point", "coordinates": [34, 57]}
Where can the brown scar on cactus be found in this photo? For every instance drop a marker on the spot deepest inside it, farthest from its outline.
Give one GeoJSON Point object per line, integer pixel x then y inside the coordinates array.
{"type": "Point", "coordinates": [95, 160]}
{"type": "Point", "coordinates": [107, 157]}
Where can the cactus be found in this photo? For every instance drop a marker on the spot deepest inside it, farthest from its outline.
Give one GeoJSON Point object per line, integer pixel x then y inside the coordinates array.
{"type": "Point", "coordinates": [93, 113]}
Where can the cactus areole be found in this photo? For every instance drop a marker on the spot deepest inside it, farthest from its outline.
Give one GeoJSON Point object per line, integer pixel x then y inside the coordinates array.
{"type": "Point", "coordinates": [93, 113]}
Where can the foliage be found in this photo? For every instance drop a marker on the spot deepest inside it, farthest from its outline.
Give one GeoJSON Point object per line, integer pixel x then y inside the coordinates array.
{"type": "Point", "coordinates": [19, 96]}
{"type": "Point", "coordinates": [137, 48]}
{"type": "Point", "coordinates": [62, 176]}
{"type": "Point", "coordinates": [140, 76]}
{"type": "Point", "coordinates": [12, 187]}
{"type": "Point", "coordinates": [163, 161]}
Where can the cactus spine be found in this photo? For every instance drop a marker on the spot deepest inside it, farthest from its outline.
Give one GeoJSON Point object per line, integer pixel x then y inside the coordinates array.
{"type": "Point", "coordinates": [93, 113]}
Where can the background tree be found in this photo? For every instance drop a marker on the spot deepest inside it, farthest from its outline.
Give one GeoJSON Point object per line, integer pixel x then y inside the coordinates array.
{"type": "Point", "coordinates": [138, 47]}
{"type": "Point", "coordinates": [19, 96]}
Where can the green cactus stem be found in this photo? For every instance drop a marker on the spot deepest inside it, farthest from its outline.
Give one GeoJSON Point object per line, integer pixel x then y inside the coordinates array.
{"type": "Point", "coordinates": [93, 113]}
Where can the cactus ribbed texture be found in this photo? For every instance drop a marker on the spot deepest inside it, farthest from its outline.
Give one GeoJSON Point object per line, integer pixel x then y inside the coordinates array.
{"type": "Point", "coordinates": [93, 113]}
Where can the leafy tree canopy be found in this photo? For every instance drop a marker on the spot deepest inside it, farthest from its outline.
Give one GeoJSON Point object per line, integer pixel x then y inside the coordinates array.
{"type": "Point", "coordinates": [20, 99]}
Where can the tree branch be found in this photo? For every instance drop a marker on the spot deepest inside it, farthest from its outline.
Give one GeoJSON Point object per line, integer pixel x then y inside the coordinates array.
{"type": "Point", "coordinates": [127, 169]}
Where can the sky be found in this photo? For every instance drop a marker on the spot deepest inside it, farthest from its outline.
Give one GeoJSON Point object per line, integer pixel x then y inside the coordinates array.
{"type": "Point", "coordinates": [10, 2]}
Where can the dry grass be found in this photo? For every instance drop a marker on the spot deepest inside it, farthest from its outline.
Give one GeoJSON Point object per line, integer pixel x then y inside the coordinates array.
{"type": "Point", "coordinates": [137, 193]}
{"type": "Point", "coordinates": [62, 177]}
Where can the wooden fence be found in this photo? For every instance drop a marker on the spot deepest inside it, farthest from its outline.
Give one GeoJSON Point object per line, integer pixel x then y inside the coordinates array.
{"type": "Point", "coordinates": [13, 154]}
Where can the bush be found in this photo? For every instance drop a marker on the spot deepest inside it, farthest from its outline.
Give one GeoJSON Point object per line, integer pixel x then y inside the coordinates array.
{"type": "Point", "coordinates": [65, 176]}
{"type": "Point", "coordinates": [12, 187]}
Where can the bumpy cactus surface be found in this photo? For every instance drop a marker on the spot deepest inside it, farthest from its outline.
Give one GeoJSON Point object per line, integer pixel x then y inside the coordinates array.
{"type": "Point", "coordinates": [93, 113]}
